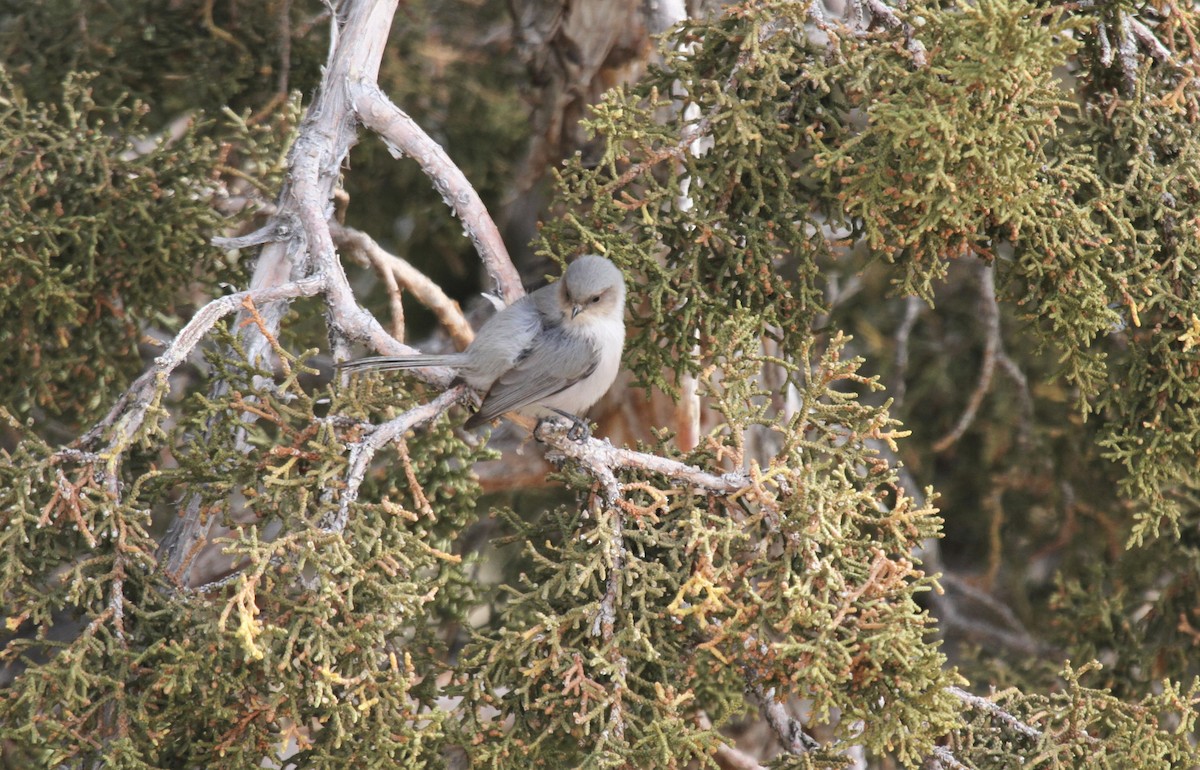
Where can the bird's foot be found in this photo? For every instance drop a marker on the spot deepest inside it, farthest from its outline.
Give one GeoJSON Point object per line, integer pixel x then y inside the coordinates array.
{"type": "Point", "coordinates": [580, 429]}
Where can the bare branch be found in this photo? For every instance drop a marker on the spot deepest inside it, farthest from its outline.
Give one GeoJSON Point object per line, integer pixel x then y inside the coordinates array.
{"type": "Point", "coordinates": [395, 301]}
{"type": "Point", "coordinates": [728, 757]}
{"type": "Point", "coordinates": [789, 731]}
{"type": "Point", "coordinates": [1107, 54]}
{"type": "Point", "coordinates": [425, 291]}
{"type": "Point", "coordinates": [944, 759]}
{"type": "Point", "coordinates": [912, 309]}
{"type": "Point", "coordinates": [1017, 375]}
{"type": "Point", "coordinates": [600, 458]}
{"type": "Point", "coordinates": [131, 407]}
{"type": "Point", "coordinates": [362, 452]}
{"type": "Point", "coordinates": [733, 758]}
{"type": "Point", "coordinates": [314, 169]}
{"type": "Point", "coordinates": [983, 704]}
{"type": "Point", "coordinates": [1016, 637]}
{"type": "Point", "coordinates": [990, 311]}
{"type": "Point", "coordinates": [1127, 52]}
{"type": "Point", "coordinates": [1147, 38]}
{"type": "Point", "coordinates": [404, 137]}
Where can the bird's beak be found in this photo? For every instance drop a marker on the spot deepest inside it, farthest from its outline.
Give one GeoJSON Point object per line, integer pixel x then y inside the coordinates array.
{"type": "Point", "coordinates": [576, 310]}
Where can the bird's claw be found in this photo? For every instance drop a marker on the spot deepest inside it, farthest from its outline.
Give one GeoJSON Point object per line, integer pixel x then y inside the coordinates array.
{"type": "Point", "coordinates": [580, 429]}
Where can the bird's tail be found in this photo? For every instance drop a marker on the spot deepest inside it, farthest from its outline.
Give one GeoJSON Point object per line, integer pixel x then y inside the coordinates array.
{"type": "Point", "coordinates": [389, 363]}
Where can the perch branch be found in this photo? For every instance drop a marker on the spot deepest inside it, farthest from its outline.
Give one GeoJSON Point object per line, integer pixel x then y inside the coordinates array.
{"type": "Point", "coordinates": [600, 458]}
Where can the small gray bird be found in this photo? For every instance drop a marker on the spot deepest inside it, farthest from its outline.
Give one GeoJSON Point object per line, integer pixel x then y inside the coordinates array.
{"type": "Point", "coordinates": [554, 351]}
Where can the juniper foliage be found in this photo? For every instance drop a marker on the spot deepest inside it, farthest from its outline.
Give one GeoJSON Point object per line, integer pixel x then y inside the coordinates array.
{"type": "Point", "coordinates": [771, 159]}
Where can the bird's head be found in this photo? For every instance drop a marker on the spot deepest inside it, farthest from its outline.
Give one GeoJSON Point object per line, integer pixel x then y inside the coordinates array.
{"type": "Point", "coordinates": [592, 289]}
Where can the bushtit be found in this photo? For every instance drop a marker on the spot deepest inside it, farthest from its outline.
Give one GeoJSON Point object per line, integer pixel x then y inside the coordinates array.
{"type": "Point", "coordinates": [556, 350]}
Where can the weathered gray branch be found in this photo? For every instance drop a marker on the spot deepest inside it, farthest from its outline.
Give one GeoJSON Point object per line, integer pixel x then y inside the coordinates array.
{"type": "Point", "coordinates": [404, 137]}
{"type": "Point", "coordinates": [130, 409]}
{"type": "Point", "coordinates": [600, 459]}
{"type": "Point", "coordinates": [380, 436]}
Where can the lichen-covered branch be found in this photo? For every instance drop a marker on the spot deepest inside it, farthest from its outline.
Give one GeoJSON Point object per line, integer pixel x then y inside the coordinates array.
{"type": "Point", "coordinates": [601, 460]}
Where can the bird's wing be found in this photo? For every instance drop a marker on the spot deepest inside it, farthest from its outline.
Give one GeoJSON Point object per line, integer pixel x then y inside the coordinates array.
{"type": "Point", "coordinates": [554, 362]}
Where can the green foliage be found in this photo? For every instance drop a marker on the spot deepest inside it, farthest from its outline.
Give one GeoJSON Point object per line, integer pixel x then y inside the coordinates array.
{"type": "Point", "coordinates": [746, 185]}
{"type": "Point", "coordinates": [1086, 727]}
{"type": "Point", "coordinates": [1011, 144]}
{"type": "Point", "coordinates": [323, 635]}
{"type": "Point", "coordinates": [178, 57]}
{"type": "Point", "coordinates": [96, 219]}
{"type": "Point", "coordinates": [634, 614]}
{"type": "Point", "coordinates": [749, 236]}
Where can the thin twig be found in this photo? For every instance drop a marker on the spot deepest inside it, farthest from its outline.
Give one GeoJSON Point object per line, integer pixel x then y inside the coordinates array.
{"type": "Point", "coordinates": [364, 450]}
{"type": "Point", "coordinates": [727, 756]}
{"type": "Point", "coordinates": [424, 290]}
{"type": "Point", "coordinates": [990, 311]}
{"type": "Point", "coordinates": [395, 300]}
{"type": "Point", "coordinates": [945, 760]}
{"type": "Point", "coordinates": [983, 704]}
{"type": "Point", "coordinates": [912, 309]}
{"type": "Point", "coordinates": [1016, 637]}
{"type": "Point", "coordinates": [1017, 375]}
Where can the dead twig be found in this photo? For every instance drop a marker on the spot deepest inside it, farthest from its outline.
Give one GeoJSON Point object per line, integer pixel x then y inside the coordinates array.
{"type": "Point", "coordinates": [425, 291]}
{"type": "Point", "coordinates": [990, 311]}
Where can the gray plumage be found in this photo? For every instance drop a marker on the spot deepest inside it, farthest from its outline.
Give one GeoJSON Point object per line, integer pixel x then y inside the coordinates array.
{"type": "Point", "coordinates": [556, 349]}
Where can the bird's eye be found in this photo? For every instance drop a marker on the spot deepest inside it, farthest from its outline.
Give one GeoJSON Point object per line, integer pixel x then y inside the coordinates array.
{"type": "Point", "coordinates": [595, 299]}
